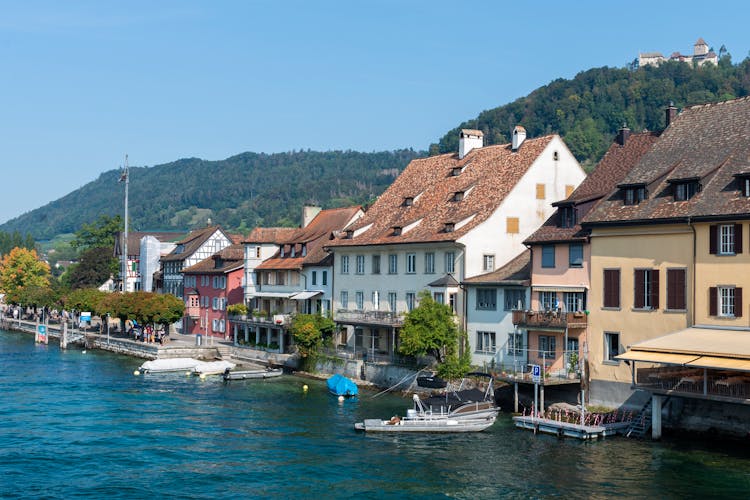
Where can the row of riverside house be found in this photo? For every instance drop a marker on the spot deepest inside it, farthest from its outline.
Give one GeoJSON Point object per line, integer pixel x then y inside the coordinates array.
{"type": "Point", "coordinates": [630, 278]}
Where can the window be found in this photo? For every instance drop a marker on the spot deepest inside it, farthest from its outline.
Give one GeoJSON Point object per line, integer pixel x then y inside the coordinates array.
{"type": "Point", "coordinates": [359, 299]}
{"type": "Point", "coordinates": [455, 171]}
{"type": "Point", "coordinates": [411, 263]}
{"type": "Point", "coordinates": [411, 299]}
{"type": "Point", "coordinates": [439, 297]}
{"type": "Point", "coordinates": [190, 281]}
{"type": "Point", "coordinates": [633, 195]}
{"type": "Point", "coordinates": [486, 342]}
{"type": "Point", "coordinates": [515, 299]}
{"type": "Point", "coordinates": [204, 301]}
{"type": "Point", "coordinates": [611, 288]}
{"type": "Point", "coordinates": [376, 264]}
{"type": "Point", "coordinates": [396, 230]}
{"type": "Point", "coordinates": [325, 278]}
{"type": "Point", "coordinates": [344, 264]}
{"type": "Point", "coordinates": [360, 263]}
{"type": "Point", "coordinates": [676, 295]}
{"type": "Point", "coordinates": [611, 346]}
{"type": "Point", "coordinates": [486, 299]}
{"type": "Point", "coordinates": [392, 302]}
{"type": "Point", "coordinates": [449, 227]}
{"type": "Point", "coordinates": [194, 300]}
{"type": "Point", "coordinates": [548, 300]}
{"type": "Point", "coordinates": [512, 225]}
{"type": "Point", "coordinates": [218, 325]}
{"type": "Point", "coordinates": [540, 192]}
{"type": "Point", "coordinates": [745, 186]}
{"type": "Point", "coordinates": [315, 277]}
{"type": "Point", "coordinates": [547, 346]}
{"type": "Point", "coordinates": [685, 190]}
{"type": "Point", "coordinates": [408, 201]}
{"type": "Point", "coordinates": [204, 280]}
{"type": "Point", "coordinates": [280, 277]}
{"type": "Point", "coordinates": [548, 255]}
{"type": "Point", "coordinates": [575, 255]}
{"type": "Point", "coordinates": [567, 216]}
{"type": "Point", "coordinates": [458, 196]}
{"type": "Point", "coordinates": [452, 301]}
{"type": "Point", "coordinates": [344, 299]}
{"type": "Point", "coordinates": [725, 239]}
{"type": "Point", "coordinates": [725, 301]}
{"type": "Point", "coordinates": [218, 303]}
{"type": "Point", "coordinates": [375, 300]}
{"type": "Point", "coordinates": [429, 263]}
{"type": "Point", "coordinates": [574, 301]}
{"type": "Point", "coordinates": [450, 259]}
{"type": "Point", "coordinates": [220, 282]}
{"type": "Point", "coordinates": [515, 344]}
{"type": "Point", "coordinates": [488, 262]}
{"type": "Point", "coordinates": [646, 292]}
{"type": "Point", "coordinates": [393, 264]}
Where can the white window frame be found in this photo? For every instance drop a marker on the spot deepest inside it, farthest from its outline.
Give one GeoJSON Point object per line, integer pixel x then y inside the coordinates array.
{"type": "Point", "coordinates": [359, 300]}
{"type": "Point", "coordinates": [344, 264]}
{"type": "Point", "coordinates": [608, 351]}
{"type": "Point", "coordinates": [488, 262]}
{"type": "Point", "coordinates": [486, 342]}
{"type": "Point", "coordinates": [450, 262]}
{"type": "Point", "coordinates": [393, 263]}
{"type": "Point", "coordinates": [411, 301]}
{"type": "Point", "coordinates": [515, 344]}
{"type": "Point", "coordinates": [726, 239]}
{"type": "Point", "coordinates": [429, 263]}
{"type": "Point", "coordinates": [486, 299]}
{"type": "Point", "coordinates": [411, 263]}
{"type": "Point", "coordinates": [725, 296]}
{"type": "Point", "coordinates": [360, 264]}
{"type": "Point", "coordinates": [392, 301]}
{"type": "Point", "coordinates": [344, 299]}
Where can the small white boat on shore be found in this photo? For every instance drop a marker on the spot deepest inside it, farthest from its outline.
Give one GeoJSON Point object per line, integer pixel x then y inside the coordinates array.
{"type": "Point", "coordinates": [253, 374]}
{"type": "Point", "coordinates": [212, 368]}
{"type": "Point", "coordinates": [169, 365]}
{"type": "Point", "coordinates": [425, 424]}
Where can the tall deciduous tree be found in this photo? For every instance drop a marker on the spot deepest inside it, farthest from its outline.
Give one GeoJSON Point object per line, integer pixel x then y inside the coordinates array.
{"type": "Point", "coordinates": [19, 269]}
{"type": "Point", "coordinates": [429, 329]}
{"type": "Point", "coordinates": [94, 267]}
{"type": "Point", "coordinates": [98, 234]}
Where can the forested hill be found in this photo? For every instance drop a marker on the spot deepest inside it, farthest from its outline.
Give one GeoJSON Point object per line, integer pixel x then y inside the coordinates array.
{"type": "Point", "coordinates": [587, 110]}
{"type": "Point", "coordinates": [239, 193]}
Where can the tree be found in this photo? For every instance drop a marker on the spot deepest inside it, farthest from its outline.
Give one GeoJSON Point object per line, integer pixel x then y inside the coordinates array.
{"type": "Point", "coordinates": [429, 329]}
{"type": "Point", "coordinates": [87, 299]}
{"type": "Point", "coordinates": [19, 269]}
{"type": "Point", "coordinates": [308, 331]}
{"type": "Point", "coordinates": [95, 266]}
{"type": "Point", "coordinates": [98, 234]}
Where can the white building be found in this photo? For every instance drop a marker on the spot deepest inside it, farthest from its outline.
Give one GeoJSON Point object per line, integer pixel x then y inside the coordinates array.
{"type": "Point", "coordinates": [444, 219]}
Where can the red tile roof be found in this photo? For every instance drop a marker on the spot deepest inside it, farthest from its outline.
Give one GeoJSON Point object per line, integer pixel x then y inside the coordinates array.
{"type": "Point", "coordinates": [269, 234]}
{"type": "Point", "coordinates": [490, 172]}
{"type": "Point", "coordinates": [516, 272]}
{"type": "Point", "coordinates": [708, 142]}
{"type": "Point", "coordinates": [608, 173]}
{"type": "Point", "coordinates": [229, 259]}
{"type": "Point", "coordinates": [314, 236]}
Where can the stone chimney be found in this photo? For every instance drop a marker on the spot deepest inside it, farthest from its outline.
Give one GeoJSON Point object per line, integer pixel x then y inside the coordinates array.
{"type": "Point", "coordinates": [308, 214]}
{"type": "Point", "coordinates": [671, 113]}
{"type": "Point", "coordinates": [469, 139]}
{"type": "Point", "coordinates": [623, 135]}
{"type": "Point", "coordinates": [518, 136]}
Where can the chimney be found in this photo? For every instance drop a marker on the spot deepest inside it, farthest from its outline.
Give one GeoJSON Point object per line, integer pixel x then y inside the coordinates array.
{"type": "Point", "coordinates": [519, 135]}
{"type": "Point", "coordinates": [308, 214]}
{"type": "Point", "coordinates": [469, 139]}
{"type": "Point", "coordinates": [623, 135]}
{"type": "Point", "coordinates": [671, 113]}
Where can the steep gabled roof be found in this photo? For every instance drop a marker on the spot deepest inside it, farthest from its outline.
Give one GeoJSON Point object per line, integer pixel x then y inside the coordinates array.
{"type": "Point", "coordinates": [517, 272]}
{"type": "Point", "coordinates": [420, 200]}
{"type": "Point", "coordinates": [314, 237]}
{"type": "Point", "coordinates": [192, 242]}
{"type": "Point", "coordinates": [708, 143]}
{"type": "Point", "coordinates": [269, 235]}
{"type": "Point", "coordinates": [608, 173]}
{"type": "Point", "coordinates": [228, 259]}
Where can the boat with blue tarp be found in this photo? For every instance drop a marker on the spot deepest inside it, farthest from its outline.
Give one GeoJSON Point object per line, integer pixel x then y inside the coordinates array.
{"type": "Point", "coordinates": [338, 385]}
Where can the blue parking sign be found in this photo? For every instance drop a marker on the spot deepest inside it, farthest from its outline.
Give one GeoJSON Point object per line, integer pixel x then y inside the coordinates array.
{"type": "Point", "coordinates": [536, 372]}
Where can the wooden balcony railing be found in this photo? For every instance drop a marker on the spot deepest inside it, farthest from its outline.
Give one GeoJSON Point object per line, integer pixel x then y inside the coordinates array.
{"type": "Point", "coordinates": [550, 319]}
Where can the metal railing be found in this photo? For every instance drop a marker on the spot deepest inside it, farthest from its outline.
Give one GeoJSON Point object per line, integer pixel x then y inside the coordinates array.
{"type": "Point", "coordinates": [516, 363]}
{"type": "Point", "coordinates": [550, 319]}
{"type": "Point", "coordinates": [370, 317]}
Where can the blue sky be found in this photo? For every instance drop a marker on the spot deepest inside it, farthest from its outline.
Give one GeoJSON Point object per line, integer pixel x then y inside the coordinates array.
{"type": "Point", "coordinates": [85, 82]}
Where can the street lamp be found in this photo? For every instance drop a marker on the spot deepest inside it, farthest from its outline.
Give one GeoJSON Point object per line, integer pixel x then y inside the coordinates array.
{"type": "Point", "coordinates": [125, 177]}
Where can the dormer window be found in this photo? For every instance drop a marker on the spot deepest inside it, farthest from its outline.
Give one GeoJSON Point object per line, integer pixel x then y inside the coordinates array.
{"type": "Point", "coordinates": [743, 183]}
{"type": "Point", "coordinates": [684, 189]}
{"type": "Point", "coordinates": [180, 248]}
{"type": "Point", "coordinates": [456, 171]}
{"type": "Point", "coordinates": [408, 201]}
{"type": "Point", "coordinates": [304, 249]}
{"type": "Point", "coordinates": [633, 194]}
{"type": "Point", "coordinates": [449, 227]}
{"type": "Point", "coordinates": [349, 234]}
{"type": "Point", "coordinates": [567, 216]}
{"type": "Point", "coordinates": [294, 250]}
{"type": "Point", "coordinates": [396, 230]}
{"type": "Point", "coordinates": [283, 251]}
{"type": "Point", "coordinates": [458, 196]}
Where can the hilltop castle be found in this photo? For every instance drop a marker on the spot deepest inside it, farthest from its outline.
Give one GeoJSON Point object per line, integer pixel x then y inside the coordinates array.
{"type": "Point", "coordinates": [701, 55]}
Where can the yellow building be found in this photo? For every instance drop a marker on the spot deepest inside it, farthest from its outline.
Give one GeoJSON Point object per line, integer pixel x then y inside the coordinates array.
{"type": "Point", "coordinates": [669, 258]}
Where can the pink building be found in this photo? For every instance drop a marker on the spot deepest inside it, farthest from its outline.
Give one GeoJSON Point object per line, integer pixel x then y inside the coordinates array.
{"type": "Point", "coordinates": [211, 285]}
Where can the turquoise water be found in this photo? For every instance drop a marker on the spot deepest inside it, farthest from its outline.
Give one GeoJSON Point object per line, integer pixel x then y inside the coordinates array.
{"type": "Point", "coordinates": [75, 425]}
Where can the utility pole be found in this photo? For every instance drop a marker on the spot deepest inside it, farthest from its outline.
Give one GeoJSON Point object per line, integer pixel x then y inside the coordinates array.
{"type": "Point", "coordinates": [125, 177]}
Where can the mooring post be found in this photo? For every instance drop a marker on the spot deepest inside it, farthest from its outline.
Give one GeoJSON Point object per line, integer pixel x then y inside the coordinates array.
{"type": "Point", "coordinates": [656, 401]}
{"type": "Point", "coordinates": [64, 335]}
{"type": "Point", "coordinates": [515, 397]}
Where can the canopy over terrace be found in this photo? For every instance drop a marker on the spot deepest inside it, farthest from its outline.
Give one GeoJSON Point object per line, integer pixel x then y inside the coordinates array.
{"type": "Point", "coordinates": [700, 361]}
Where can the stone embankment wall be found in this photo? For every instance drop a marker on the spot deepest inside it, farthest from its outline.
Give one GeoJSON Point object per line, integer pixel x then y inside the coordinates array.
{"type": "Point", "coordinates": [711, 417]}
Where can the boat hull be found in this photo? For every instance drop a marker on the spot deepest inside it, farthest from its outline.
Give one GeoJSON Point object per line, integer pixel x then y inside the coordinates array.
{"type": "Point", "coordinates": [436, 425]}
{"type": "Point", "coordinates": [253, 374]}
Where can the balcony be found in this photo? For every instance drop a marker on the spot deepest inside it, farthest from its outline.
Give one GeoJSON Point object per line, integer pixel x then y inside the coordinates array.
{"type": "Point", "coordinates": [550, 319]}
{"type": "Point", "coordinates": [194, 312]}
{"type": "Point", "coordinates": [717, 385]}
{"type": "Point", "coordinates": [379, 318]}
{"type": "Point", "coordinates": [515, 365]}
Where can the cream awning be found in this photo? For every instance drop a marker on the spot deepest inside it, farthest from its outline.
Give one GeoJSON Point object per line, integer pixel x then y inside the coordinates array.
{"type": "Point", "coordinates": [558, 288]}
{"type": "Point", "coordinates": [657, 357]}
{"type": "Point", "coordinates": [272, 295]}
{"type": "Point", "coordinates": [720, 363]}
{"type": "Point", "coordinates": [305, 295]}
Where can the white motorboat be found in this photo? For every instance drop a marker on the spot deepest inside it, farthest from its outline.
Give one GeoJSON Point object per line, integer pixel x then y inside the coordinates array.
{"type": "Point", "coordinates": [169, 365]}
{"type": "Point", "coordinates": [212, 368]}
{"type": "Point", "coordinates": [252, 374]}
{"type": "Point", "coordinates": [460, 403]}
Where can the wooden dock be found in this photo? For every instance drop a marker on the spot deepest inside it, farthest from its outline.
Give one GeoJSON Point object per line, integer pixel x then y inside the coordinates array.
{"type": "Point", "coordinates": [568, 429]}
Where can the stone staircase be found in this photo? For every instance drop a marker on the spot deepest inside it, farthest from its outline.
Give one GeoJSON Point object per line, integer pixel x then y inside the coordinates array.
{"type": "Point", "coordinates": [225, 351]}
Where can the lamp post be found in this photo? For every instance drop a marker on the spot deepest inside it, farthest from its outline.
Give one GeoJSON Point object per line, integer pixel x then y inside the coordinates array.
{"type": "Point", "coordinates": [125, 177]}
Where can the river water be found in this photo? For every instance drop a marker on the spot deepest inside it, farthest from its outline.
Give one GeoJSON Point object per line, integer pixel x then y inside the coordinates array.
{"type": "Point", "coordinates": [79, 424]}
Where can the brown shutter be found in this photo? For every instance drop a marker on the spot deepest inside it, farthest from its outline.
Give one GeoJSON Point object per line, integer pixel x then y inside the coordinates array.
{"type": "Point", "coordinates": [713, 298]}
{"type": "Point", "coordinates": [654, 289]}
{"type": "Point", "coordinates": [638, 296]}
{"type": "Point", "coordinates": [611, 288]}
{"type": "Point", "coordinates": [616, 288]}
{"type": "Point", "coordinates": [713, 239]}
{"type": "Point", "coordinates": [738, 238]}
{"type": "Point", "coordinates": [680, 295]}
{"type": "Point", "coordinates": [738, 305]}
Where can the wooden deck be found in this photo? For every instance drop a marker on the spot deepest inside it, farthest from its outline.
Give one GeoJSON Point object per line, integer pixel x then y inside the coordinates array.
{"type": "Point", "coordinates": [567, 429]}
